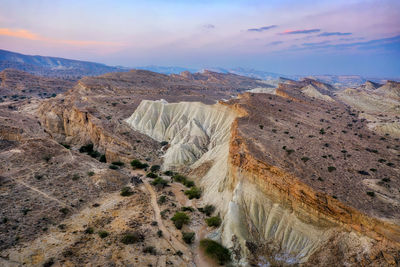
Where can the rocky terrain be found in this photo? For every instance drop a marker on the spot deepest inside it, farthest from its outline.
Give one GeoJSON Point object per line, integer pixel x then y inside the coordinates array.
{"type": "Point", "coordinates": [300, 174]}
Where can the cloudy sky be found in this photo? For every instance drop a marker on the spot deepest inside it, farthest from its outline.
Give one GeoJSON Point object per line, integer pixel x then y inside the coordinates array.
{"type": "Point", "coordinates": [290, 37]}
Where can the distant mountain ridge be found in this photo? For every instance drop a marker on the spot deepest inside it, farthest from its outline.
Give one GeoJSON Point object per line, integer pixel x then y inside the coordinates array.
{"type": "Point", "coordinates": [53, 66]}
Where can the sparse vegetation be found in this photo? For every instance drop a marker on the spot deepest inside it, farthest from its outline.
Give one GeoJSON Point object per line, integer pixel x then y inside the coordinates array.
{"type": "Point", "coordinates": [160, 182]}
{"type": "Point", "coordinates": [159, 233]}
{"type": "Point", "coordinates": [179, 219]}
{"type": "Point", "coordinates": [188, 237]}
{"type": "Point", "coordinates": [126, 191]}
{"type": "Point", "coordinates": [131, 238]}
{"type": "Point", "coordinates": [190, 209]}
{"type": "Point", "coordinates": [305, 159]}
{"type": "Point", "coordinates": [113, 167]}
{"type": "Point", "coordinates": [193, 192]}
{"type": "Point", "coordinates": [136, 164]}
{"type": "Point", "coordinates": [118, 163]}
{"type": "Point", "coordinates": [162, 199]}
{"type": "Point", "coordinates": [371, 193]}
{"type": "Point", "coordinates": [155, 168]}
{"type": "Point", "coordinates": [331, 169]}
{"type": "Point", "coordinates": [150, 249]}
{"type": "Point", "coordinates": [363, 172]}
{"type": "Point", "coordinates": [214, 221]}
{"type": "Point", "coordinates": [89, 230]}
{"type": "Point", "coordinates": [103, 234]}
{"type": "Point", "coordinates": [216, 251]}
{"type": "Point", "coordinates": [151, 175]}
{"type": "Point", "coordinates": [64, 211]}
{"type": "Point", "coordinates": [90, 173]}
{"type": "Point", "coordinates": [183, 180]}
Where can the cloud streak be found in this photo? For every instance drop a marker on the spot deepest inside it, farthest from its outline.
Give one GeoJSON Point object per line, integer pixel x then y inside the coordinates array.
{"type": "Point", "coordinates": [334, 34]}
{"type": "Point", "coordinates": [25, 34]}
{"type": "Point", "coordinates": [261, 29]}
{"type": "Point", "coordinates": [300, 31]}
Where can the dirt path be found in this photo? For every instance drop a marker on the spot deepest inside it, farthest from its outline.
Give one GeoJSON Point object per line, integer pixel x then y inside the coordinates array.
{"type": "Point", "coordinates": [41, 192]}
{"type": "Point", "coordinates": [175, 243]}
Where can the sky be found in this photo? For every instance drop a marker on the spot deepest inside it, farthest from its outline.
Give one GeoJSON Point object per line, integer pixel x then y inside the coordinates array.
{"type": "Point", "coordinates": [284, 36]}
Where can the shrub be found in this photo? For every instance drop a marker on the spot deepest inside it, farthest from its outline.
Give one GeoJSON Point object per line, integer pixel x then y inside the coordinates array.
{"type": "Point", "coordinates": [89, 230]}
{"type": "Point", "coordinates": [381, 160]}
{"type": "Point", "coordinates": [331, 169]}
{"type": "Point", "coordinates": [209, 209]}
{"type": "Point", "coordinates": [289, 151]}
{"type": "Point", "coordinates": [216, 251]}
{"type": "Point", "coordinates": [193, 192]}
{"type": "Point", "coordinates": [386, 179]}
{"type": "Point", "coordinates": [363, 172]}
{"type": "Point", "coordinates": [188, 183]}
{"type": "Point", "coordinates": [151, 175]}
{"type": "Point", "coordinates": [305, 159]}
{"type": "Point", "coordinates": [126, 191]}
{"type": "Point", "coordinates": [113, 167]}
{"type": "Point", "coordinates": [103, 158]}
{"type": "Point", "coordinates": [150, 249]}
{"type": "Point", "coordinates": [75, 177]}
{"type": "Point", "coordinates": [155, 168]}
{"type": "Point", "coordinates": [47, 158]}
{"type": "Point", "coordinates": [261, 126]}
{"type": "Point", "coordinates": [131, 238]}
{"type": "Point", "coordinates": [136, 164]}
{"type": "Point", "coordinates": [187, 209]}
{"type": "Point", "coordinates": [214, 221]}
{"type": "Point", "coordinates": [160, 181]}
{"type": "Point", "coordinates": [322, 131]}
{"type": "Point", "coordinates": [163, 143]}
{"type": "Point", "coordinates": [373, 170]}
{"type": "Point", "coordinates": [179, 219]}
{"type": "Point", "coordinates": [64, 211]}
{"type": "Point", "coordinates": [164, 213]}
{"type": "Point", "coordinates": [66, 146]}
{"type": "Point", "coordinates": [90, 173]}
{"type": "Point", "coordinates": [103, 234]}
{"type": "Point", "coordinates": [162, 199]}
{"type": "Point", "coordinates": [188, 237]}
{"type": "Point", "coordinates": [118, 163]}
{"type": "Point", "coordinates": [159, 233]}
{"type": "Point", "coordinates": [370, 193]}
{"type": "Point", "coordinates": [169, 173]}
{"type": "Point", "coordinates": [86, 148]}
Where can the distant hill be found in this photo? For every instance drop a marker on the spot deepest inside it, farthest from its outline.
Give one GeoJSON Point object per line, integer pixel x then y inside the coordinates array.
{"type": "Point", "coordinates": [53, 66]}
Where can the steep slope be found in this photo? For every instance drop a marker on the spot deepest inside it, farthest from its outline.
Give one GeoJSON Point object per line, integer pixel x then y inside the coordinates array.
{"type": "Point", "coordinates": [269, 209]}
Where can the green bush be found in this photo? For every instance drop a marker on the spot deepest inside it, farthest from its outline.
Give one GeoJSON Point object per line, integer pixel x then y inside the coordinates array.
{"type": "Point", "coordinates": [160, 181]}
{"type": "Point", "coordinates": [103, 234]}
{"type": "Point", "coordinates": [126, 191]}
{"type": "Point", "coordinates": [163, 143]}
{"type": "Point", "coordinates": [188, 237]}
{"type": "Point", "coordinates": [89, 230]}
{"type": "Point", "coordinates": [155, 168]}
{"type": "Point", "coordinates": [131, 238]}
{"type": "Point", "coordinates": [90, 173]}
{"type": "Point", "coordinates": [159, 233]}
{"type": "Point", "coordinates": [151, 175]}
{"type": "Point", "coordinates": [214, 221]}
{"type": "Point", "coordinates": [162, 199]}
{"type": "Point", "coordinates": [75, 177]}
{"type": "Point", "coordinates": [183, 180]}
{"type": "Point", "coordinates": [64, 211]}
{"type": "Point", "coordinates": [136, 164]}
{"type": "Point", "coordinates": [118, 163]}
{"type": "Point", "coordinates": [187, 209]}
{"type": "Point", "coordinates": [331, 169]}
{"type": "Point", "coordinates": [113, 167]}
{"type": "Point", "coordinates": [169, 173]}
{"type": "Point", "coordinates": [86, 148]}
{"type": "Point", "coordinates": [216, 251]}
{"type": "Point", "coordinates": [103, 158]}
{"type": "Point", "coordinates": [193, 192]}
{"type": "Point", "coordinates": [209, 209]}
{"type": "Point", "coordinates": [179, 219]}
{"type": "Point", "coordinates": [150, 249]}
{"type": "Point", "coordinates": [371, 194]}
{"type": "Point", "coordinates": [305, 159]}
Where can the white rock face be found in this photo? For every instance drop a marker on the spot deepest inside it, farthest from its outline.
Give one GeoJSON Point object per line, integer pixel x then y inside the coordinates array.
{"type": "Point", "coordinates": [191, 128]}
{"type": "Point", "coordinates": [200, 134]}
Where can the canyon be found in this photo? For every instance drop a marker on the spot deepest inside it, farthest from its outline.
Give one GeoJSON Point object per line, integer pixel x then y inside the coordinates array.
{"type": "Point", "coordinates": [301, 174]}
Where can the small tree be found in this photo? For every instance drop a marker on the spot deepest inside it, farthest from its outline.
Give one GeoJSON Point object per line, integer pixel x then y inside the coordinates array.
{"type": "Point", "coordinates": [214, 221]}
{"type": "Point", "coordinates": [188, 237]}
{"type": "Point", "coordinates": [193, 192]}
{"type": "Point", "coordinates": [216, 251]}
{"type": "Point", "coordinates": [179, 219]}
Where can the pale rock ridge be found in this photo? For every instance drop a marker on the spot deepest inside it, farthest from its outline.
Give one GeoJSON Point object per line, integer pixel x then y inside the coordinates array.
{"type": "Point", "coordinates": [200, 133]}
{"type": "Point", "coordinates": [312, 91]}
{"type": "Point", "coordinates": [191, 128]}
